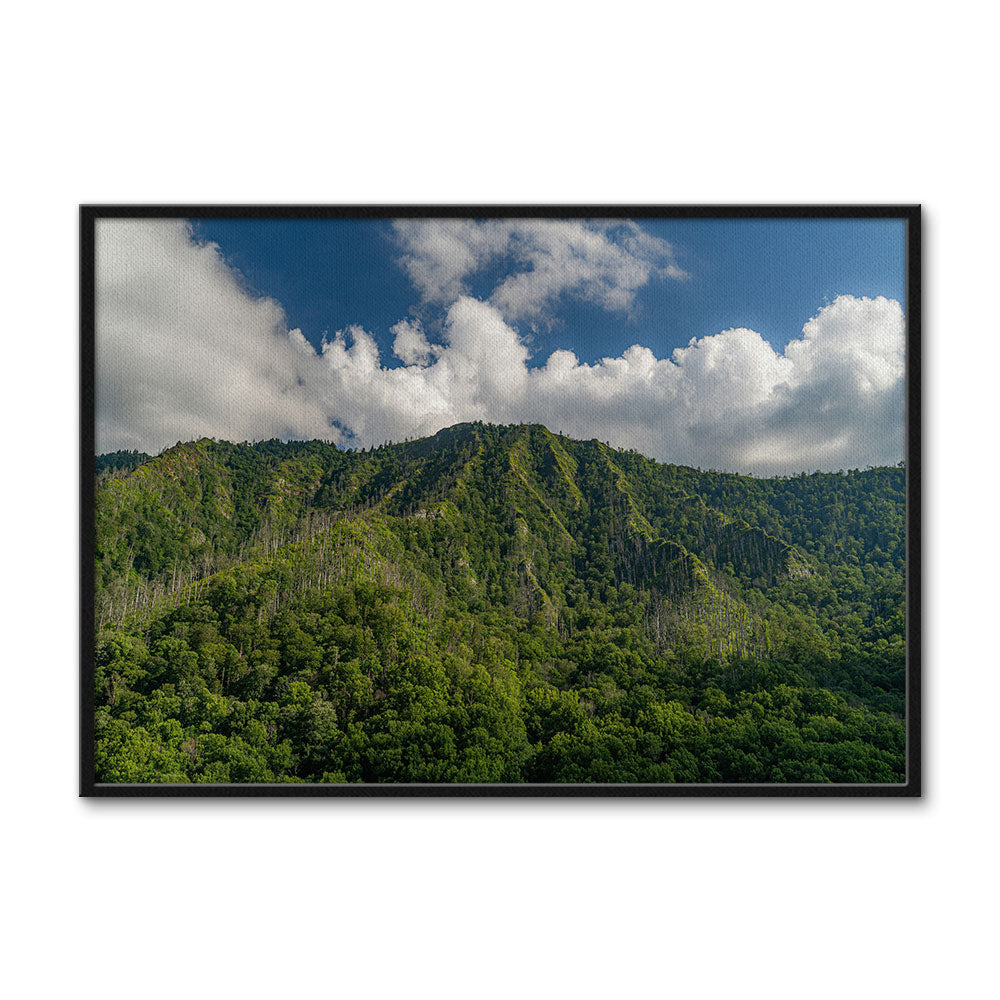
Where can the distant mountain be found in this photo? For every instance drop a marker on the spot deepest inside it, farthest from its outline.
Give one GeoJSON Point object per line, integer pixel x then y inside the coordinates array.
{"type": "Point", "coordinates": [494, 604]}
{"type": "Point", "coordinates": [115, 462]}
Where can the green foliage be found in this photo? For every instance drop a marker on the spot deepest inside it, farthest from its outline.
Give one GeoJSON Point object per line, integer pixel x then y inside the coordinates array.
{"type": "Point", "coordinates": [118, 462]}
{"type": "Point", "coordinates": [494, 604]}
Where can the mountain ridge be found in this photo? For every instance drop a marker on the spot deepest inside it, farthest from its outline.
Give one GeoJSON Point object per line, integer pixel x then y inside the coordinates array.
{"type": "Point", "coordinates": [717, 581]}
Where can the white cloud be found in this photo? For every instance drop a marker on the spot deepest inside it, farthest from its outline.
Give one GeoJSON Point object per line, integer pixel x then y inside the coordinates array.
{"type": "Point", "coordinates": [601, 261]}
{"type": "Point", "coordinates": [411, 345]}
{"type": "Point", "coordinates": [440, 254]}
{"type": "Point", "coordinates": [184, 351]}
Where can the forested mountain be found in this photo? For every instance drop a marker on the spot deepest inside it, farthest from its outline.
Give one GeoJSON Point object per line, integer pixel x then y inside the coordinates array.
{"type": "Point", "coordinates": [118, 462]}
{"type": "Point", "coordinates": [493, 604]}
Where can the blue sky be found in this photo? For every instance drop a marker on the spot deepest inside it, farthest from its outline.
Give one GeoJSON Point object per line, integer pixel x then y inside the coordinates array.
{"type": "Point", "coordinates": [767, 275]}
{"type": "Point", "coordinates": [767, 347]}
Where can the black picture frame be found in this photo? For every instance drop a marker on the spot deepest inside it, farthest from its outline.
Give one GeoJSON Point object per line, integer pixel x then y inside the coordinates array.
{"type": "Point", "coordinates": [90, 215]}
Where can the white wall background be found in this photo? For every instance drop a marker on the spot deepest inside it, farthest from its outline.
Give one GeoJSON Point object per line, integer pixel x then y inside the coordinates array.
{"type": "Point", "coordinates": [517, 102]}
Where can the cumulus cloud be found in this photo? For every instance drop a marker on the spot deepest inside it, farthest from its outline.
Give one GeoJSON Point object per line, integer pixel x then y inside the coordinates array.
{"type": "Point", "coordinates": [411, 345]}
{"type": "Point", "coordinates": [184, 351]}
{"type": "Point", "coordinates": [601, 261]}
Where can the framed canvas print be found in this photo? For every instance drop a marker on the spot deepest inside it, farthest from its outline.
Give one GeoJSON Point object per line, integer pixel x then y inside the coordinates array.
{"type": "Point", "coordinates": [478, 500]}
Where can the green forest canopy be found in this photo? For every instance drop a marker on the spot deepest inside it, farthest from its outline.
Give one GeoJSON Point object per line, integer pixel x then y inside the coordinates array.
{"type": "Point", "coordinates": [493, 604]}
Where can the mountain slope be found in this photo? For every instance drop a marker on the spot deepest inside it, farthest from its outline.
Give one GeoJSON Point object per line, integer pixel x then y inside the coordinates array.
{"type": "Point", "coordinates": [450, 600]}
